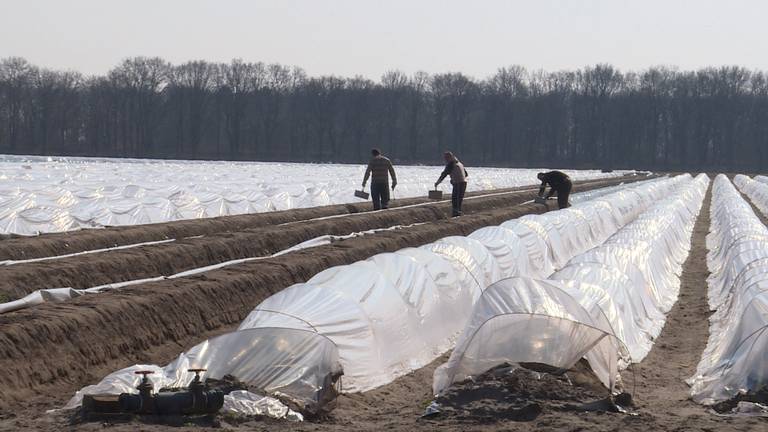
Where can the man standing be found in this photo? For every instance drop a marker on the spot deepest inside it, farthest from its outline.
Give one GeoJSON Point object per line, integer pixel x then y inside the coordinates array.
{"type": "Point", "coordinates": [379, 170]}
{"type": "Point", "coordinates": [455, 169]}
{"type": "Point", "coordinates": [559, 183]}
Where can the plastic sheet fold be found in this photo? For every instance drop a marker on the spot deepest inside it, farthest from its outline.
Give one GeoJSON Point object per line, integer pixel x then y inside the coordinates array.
{"type": "Point", "coordinates": [606, 304]}
{"type": "Point", "coordinates": [396, 312]}
{"type": "Point", "coordinates": [734, 361]}
{"type": "Point", "coordinates": [41, 195]}
{"type": "Point", "coordinates": [299, 365]}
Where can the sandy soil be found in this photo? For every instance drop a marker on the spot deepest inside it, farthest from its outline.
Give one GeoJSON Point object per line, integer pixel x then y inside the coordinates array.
{"type": "Point", "coordinates": [660, 394]}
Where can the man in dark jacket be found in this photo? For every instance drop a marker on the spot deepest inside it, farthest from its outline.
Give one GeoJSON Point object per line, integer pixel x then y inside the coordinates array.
{"type": "Point", "coordinates": [455, 169]}
{"type": "Point", "coordinates": [560, 183]}
{"type": "Point", "coordinates": [379, 170]}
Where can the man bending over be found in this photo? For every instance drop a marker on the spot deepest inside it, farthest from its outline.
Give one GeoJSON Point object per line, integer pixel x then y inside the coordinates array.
{"type": "Point", "coordinates": [559, 183]}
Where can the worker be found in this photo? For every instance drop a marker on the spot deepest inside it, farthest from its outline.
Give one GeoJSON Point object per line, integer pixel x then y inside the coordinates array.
{"type": "Point", "coordinates": [379, 170]}
{"type": "Point", "coordinates": [560, 183]}
{"type": "Point", "coordinates": [455, 169]}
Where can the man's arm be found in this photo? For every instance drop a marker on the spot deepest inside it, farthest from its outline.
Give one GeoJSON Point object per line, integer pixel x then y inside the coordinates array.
{"type": "Point", "coordinates": [542, 188]}
{"type": "Point", "coordinates": [392, 174]}
{"type": "Point", "coordinates": [446, 171]}
{"type": "Point", "coordinates": [367, 174]}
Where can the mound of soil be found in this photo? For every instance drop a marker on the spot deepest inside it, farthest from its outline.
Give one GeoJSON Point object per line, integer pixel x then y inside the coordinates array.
{"type": "Point", "coordinates": [13, 247]}
{"type": "Point", "coordinates": [224, 239]}
{"type": "Point", "coordinates": [520, 393]}
{"type": "Point", "coordinates": [759, 397]}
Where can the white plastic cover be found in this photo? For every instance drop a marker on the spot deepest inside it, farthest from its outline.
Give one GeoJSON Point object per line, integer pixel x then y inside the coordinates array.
{"type": "Point", "coordinates": [606, 305]}
{"type": "Point", "coordinates": [245, 403]}
{"type": "Point", "coordinates": [507, 250]}
{"type": "Point", "coordinates": [39, 195]}
{"type": "Point", "coordinates": [397, 312]}
{"type": "Point", "coordinates": [639, 267]}
{"type": "Point", "coordinates": [39, 297]}
{"type": "Point", "coordinates": [527, 320]}
{"type": "Point", "coordinates": [735, 359]}
{"type": "Point", "coordinates": [756, 190]}
{"type": "Point", "coordinates": [381, 336]}
{"type": "Point", "coordinates": [297, 364]}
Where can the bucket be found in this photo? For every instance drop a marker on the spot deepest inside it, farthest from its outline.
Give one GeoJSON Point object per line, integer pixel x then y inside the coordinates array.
{"type": "Point", "coordinates": [436, 194]}
{"type": "Point", "coordinates": [362, 194]}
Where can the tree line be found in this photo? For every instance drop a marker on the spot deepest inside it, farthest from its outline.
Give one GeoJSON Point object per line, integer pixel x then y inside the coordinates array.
{"type": "Point", "coordinates": [594, 117]}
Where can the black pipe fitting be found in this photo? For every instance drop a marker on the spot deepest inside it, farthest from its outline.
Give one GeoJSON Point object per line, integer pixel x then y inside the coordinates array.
{"type": "Point", "coordinates": [195, 400]}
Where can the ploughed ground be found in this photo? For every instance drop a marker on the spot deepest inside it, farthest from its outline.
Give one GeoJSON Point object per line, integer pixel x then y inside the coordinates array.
{"type": "Point", "coordinates": [504, 401]}
{"type": "Point", "coordinates": [15, 247]}
{"type": "Point", "coordinates": [212, 241]}
{"type": "Point", "coordinates": [58, 348]}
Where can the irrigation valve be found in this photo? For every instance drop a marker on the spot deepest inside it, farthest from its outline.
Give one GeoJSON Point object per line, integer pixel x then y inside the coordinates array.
{"type": "Point", "coordinates": [196, 399]}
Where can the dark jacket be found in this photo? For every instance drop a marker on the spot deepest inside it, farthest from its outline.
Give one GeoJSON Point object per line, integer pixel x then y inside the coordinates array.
{"type": "Point", "coordinates": [378, 169]}
{"type": "Point", "coordinates": [557, 180]}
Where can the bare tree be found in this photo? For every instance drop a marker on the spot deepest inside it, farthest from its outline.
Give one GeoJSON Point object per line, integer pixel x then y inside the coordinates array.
{"type": "Point", "coordinates": [17, 77]}
{"type": "Point", "coordinates": [190, 92]}
{"type": "Point", "coordinates": [598, 116]}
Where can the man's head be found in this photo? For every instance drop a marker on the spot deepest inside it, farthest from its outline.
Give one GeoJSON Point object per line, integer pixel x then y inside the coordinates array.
{"type": "Point", "coordinates": [448, 156]}
{"type": "Point", "coordinates": [375, 152]}
{"type": "Point", "coordinates": [540, 176]}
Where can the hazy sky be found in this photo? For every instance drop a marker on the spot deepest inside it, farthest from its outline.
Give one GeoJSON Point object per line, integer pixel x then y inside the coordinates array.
{"type": "Point", "coordinates": [368, 37]}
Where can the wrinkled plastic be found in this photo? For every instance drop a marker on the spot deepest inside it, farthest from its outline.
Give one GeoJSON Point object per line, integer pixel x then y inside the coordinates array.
{"type": "Point", "coordinates": [506, 248]}
{"type": "Point", "coordinates": [396, 312]}
{"type": "Point", "coordinates": [606, 305]}
{"type": "Point", "coordinates": [41, 195]}
{"type": "Point", "coordinates": [368, 308]}
{"type": "Point", "coordinates": [299, 365]}
{"type": "Point", "coordinates": [639, 267]}
{"type": "Point", "coordinates": [756, 189]}
{"type": "Point", "coordinates": [526, 320]}
{"type": "Point", "coordinates": [734, 361]}
{"type": "Point", "coordinates": [393, 312]}
{"type": "Point", "coordinates": [245, 403]}
{"type": "Point", "coordinates": [35, 298]}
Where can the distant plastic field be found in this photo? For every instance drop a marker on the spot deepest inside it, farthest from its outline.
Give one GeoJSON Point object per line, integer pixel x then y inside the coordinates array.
{"type": "Point", "coordinates": [42, 195]}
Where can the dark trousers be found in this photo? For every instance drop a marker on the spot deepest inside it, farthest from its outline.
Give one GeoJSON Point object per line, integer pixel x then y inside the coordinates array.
{"type": "Point", "coordinates": [457, 196]}
{"type": "Point", "coordinates": [380, 195]}
{"type": "Point", "coordinates": [562, 195]}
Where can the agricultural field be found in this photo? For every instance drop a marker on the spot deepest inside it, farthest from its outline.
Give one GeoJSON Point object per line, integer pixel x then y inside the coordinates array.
{"type": "Point", "coordinates": [643, 306]}
{"type": "Point", "coordinates": [45, 195]}
{"type": "Point", "coordinates": [535, 216]}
